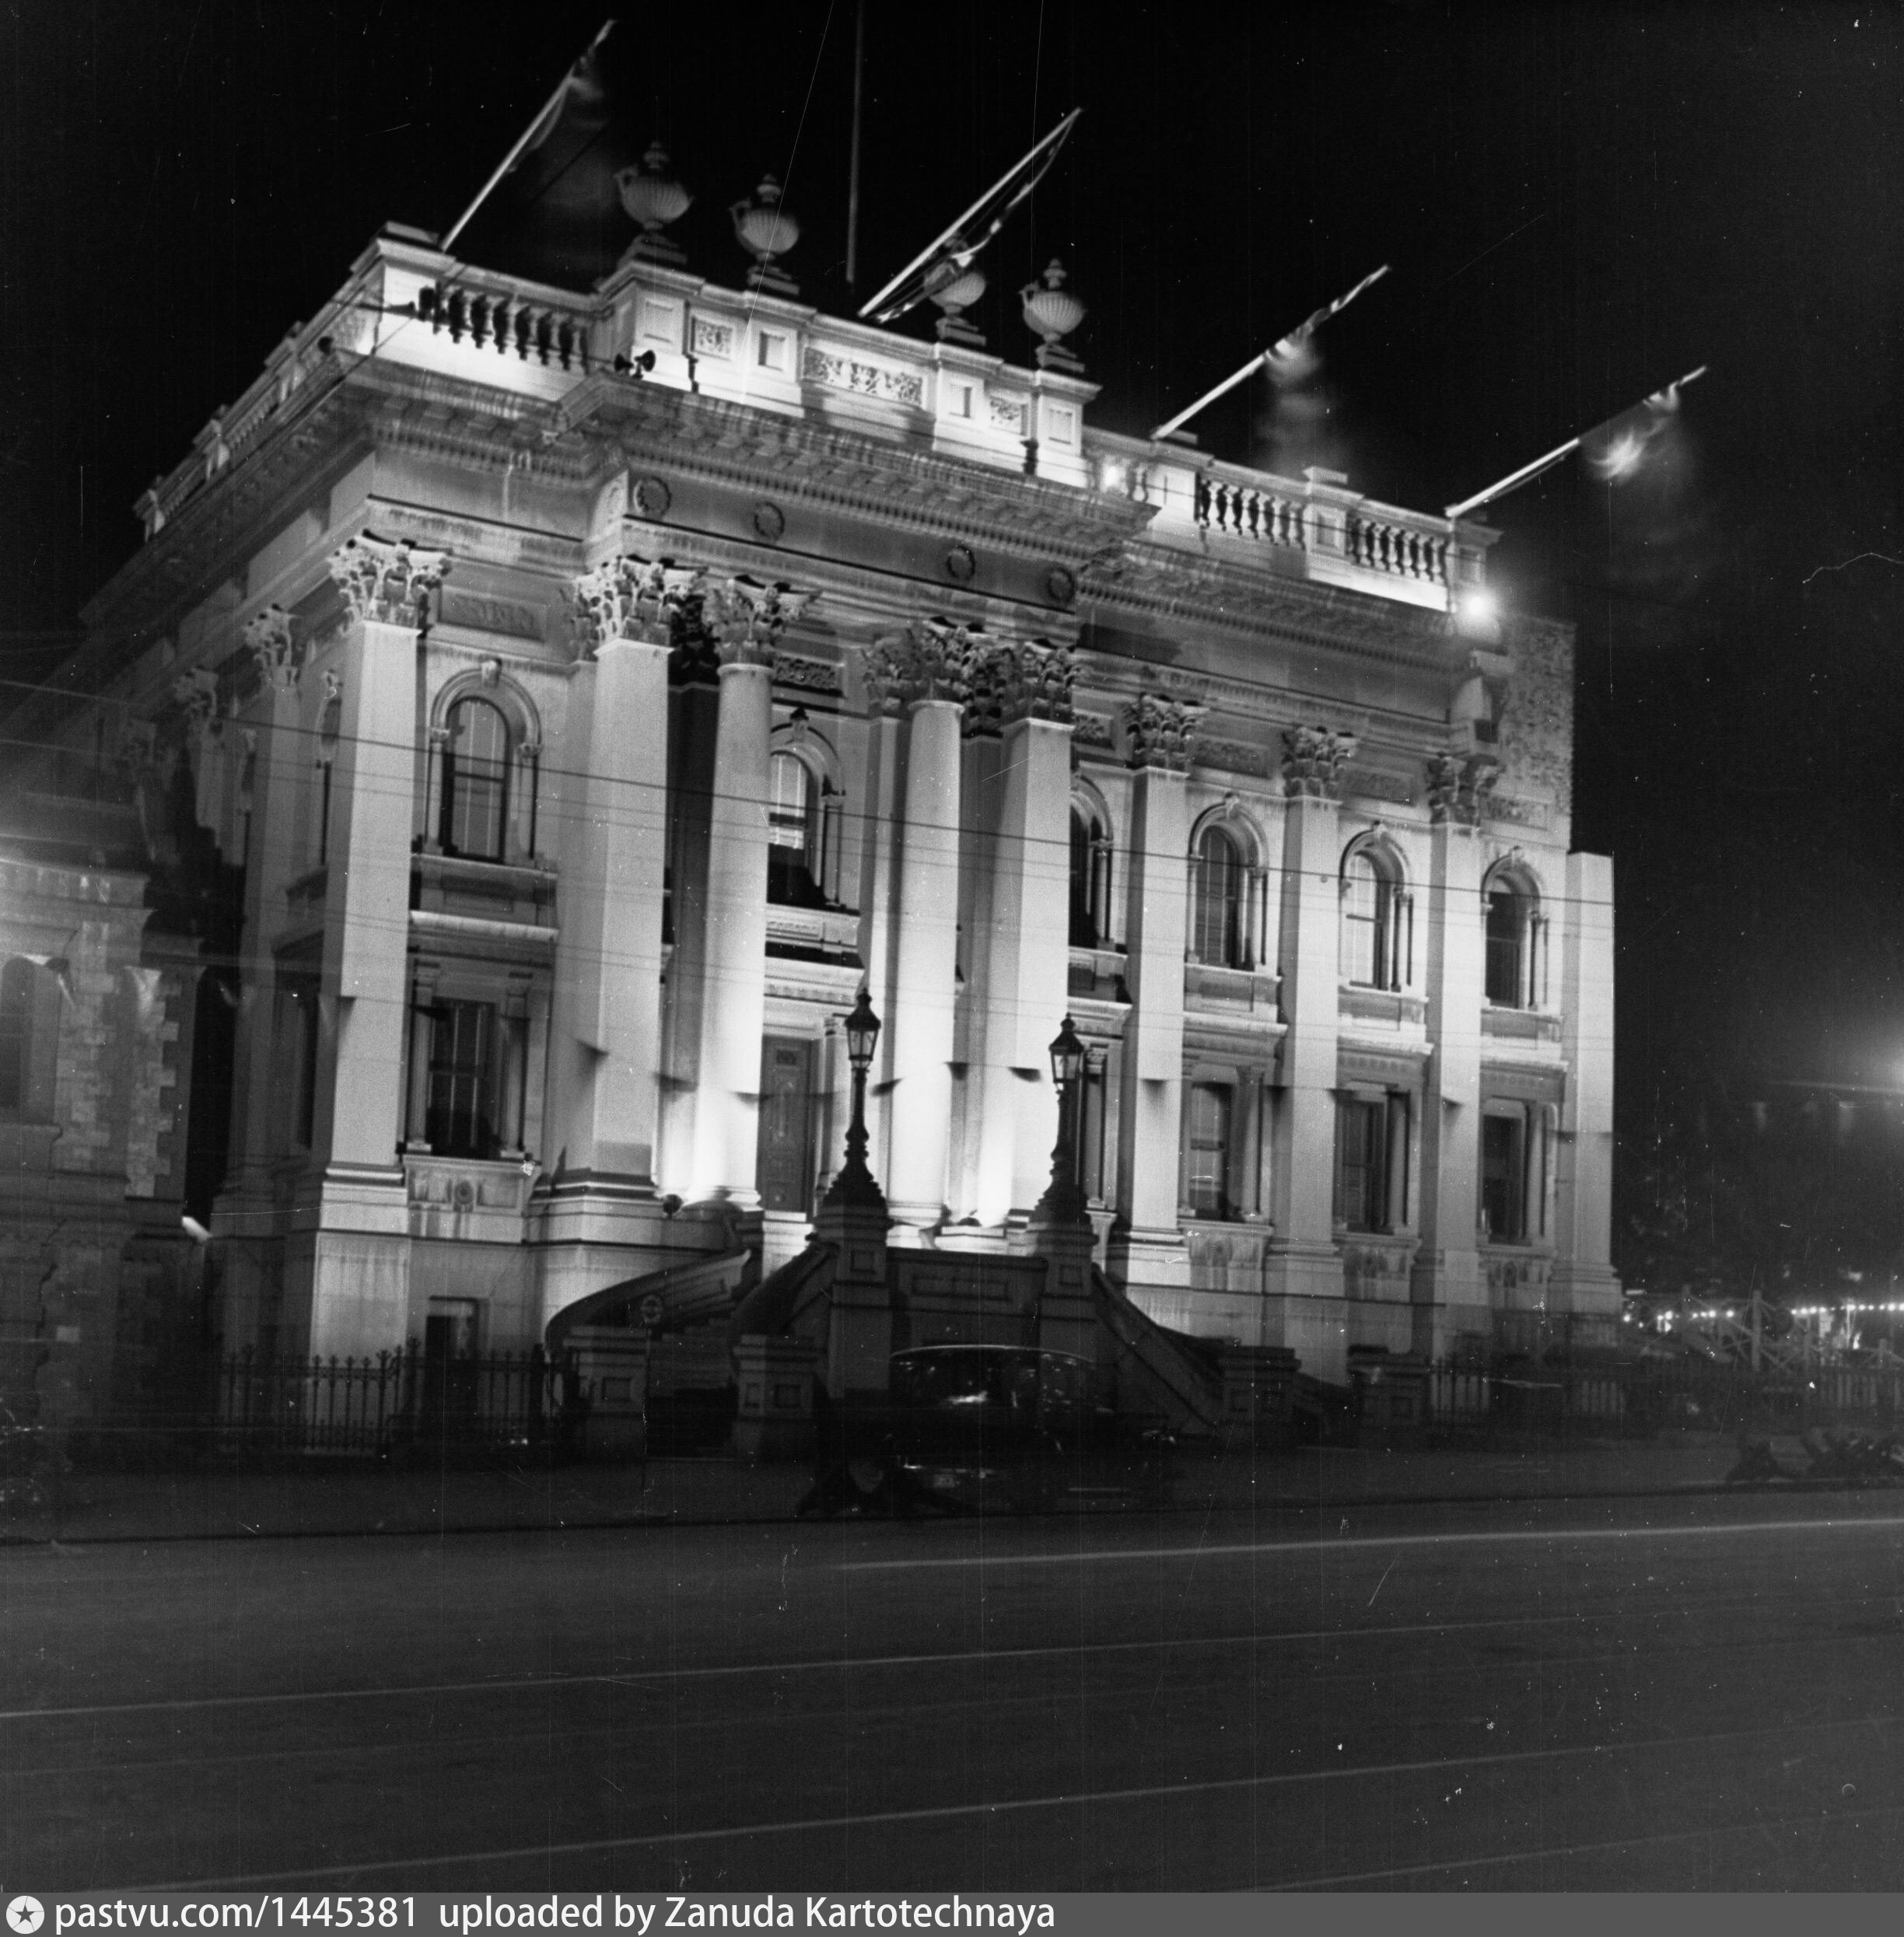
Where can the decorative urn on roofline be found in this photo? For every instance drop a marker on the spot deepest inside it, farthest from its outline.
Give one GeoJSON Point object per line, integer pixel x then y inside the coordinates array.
{"type": "Point", "coordinates": [1051, 312]}
{"type": "Point", "coordinates": [653, 198]}
{"type": "Point", "coordinates": [765, 230]}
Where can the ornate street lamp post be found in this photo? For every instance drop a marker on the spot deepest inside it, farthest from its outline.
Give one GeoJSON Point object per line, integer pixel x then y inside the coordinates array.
{"type": "Point", "coordinates": [855, 1184]}
{"type": "Point", "coordinates": [1064, 1202]}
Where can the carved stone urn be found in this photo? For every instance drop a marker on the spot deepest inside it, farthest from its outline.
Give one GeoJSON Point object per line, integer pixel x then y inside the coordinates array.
{"type": "Point", "coordinates": [1051, 312]}
{"type": "Point", "coordinates": [653, 198]}
{"type": "Point", "coordinates": [766, 231]}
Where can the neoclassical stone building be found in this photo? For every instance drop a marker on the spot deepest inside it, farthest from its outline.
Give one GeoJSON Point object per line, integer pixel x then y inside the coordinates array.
{"type": "Point", "coordinates": [598, 690]}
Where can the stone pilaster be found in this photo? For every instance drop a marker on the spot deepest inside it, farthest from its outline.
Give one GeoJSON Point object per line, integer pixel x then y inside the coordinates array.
{"type": "Point", "coordinates": [242, 1217]}
{"type": "Point", "coordinates": [924, 673]}
{"type": "Point", "coordinates": [1147, 1248]}
{"type": "Point", "coordinates": [1583, 1274]}
{"type": "Point", "coordinates": [1303, 1306]}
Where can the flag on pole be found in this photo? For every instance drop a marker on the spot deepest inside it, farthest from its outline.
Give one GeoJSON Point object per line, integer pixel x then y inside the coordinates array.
{"type": "Point", "coordinates": [1289, 350]}
{"type": "Point", "coordinates": [550, 212]}
{"type": "Point", "coordinates": [949, 254]}
{"type": "Point", "coordinates": [1615, 451]}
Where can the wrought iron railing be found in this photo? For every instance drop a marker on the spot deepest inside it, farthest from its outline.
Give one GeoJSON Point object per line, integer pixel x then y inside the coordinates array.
{"type": "Point", "coordinates": [395, 1400]}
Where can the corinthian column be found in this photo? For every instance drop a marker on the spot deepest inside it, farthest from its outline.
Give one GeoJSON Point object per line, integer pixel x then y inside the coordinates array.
{"type": "Point", "coordinates": [1148, 1248]}
{"type": "Point", "coordinates": [746, 621]}
{"type": "Point", "coordinates": [924, 674]}
{"type": "Point", "coordinates": [1448, 1289]}
{"type": "Point", "coordinates": [359, 1289]}
{"type": "Point", "coordinates": [1026, 952]}
{"type": "Point", "coordinates": [1303, 1280]}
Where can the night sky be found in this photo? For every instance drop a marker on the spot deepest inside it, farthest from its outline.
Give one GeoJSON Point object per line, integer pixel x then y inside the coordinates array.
{"type": "Point", "coordinates": [1579, 204]}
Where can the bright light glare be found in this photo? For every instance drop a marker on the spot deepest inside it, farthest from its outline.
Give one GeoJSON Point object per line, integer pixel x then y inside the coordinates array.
{"type": "Point", "coordinates": [1480, 605]}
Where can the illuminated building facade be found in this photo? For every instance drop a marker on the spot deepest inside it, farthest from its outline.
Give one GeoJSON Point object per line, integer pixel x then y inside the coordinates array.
{"type": "Point", "coordinates": [596, 690]}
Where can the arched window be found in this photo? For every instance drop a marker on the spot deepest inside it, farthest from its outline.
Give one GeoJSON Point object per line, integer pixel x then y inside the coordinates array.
{"type": "Point", "coordinates": [1517, 937]}
{"type": "Point", "coordinates": [1090, 877]}
{"type": "Point", "coordinates": [475, 780]}
{"type": "Point", "coordinates": [1221, 899]}
{"type": "Point", "coordinates": [1376, 921]}
{"type": "Point", "coordinates": [796, 833]}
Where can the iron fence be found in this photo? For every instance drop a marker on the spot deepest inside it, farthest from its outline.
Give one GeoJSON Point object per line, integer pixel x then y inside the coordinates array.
{"type": "Point", "coordinates": [396, 1400]}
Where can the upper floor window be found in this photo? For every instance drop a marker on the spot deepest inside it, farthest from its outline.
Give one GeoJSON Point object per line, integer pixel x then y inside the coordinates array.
{"type": "Point", "coordinates": [16, 1036]}
{"type": "Point", "coordinates": [797, 827]}
{"type": "Point", "coordinates": [1219, 904]}
{"type": "Point", "coordinates": [475, 780]}
{"type": "Point", "coordinates": [1377, 923]}
{"type": "Point", "coordinates": [1516, 944]}
{"type": "Point", "coordinates": [1090, 877]}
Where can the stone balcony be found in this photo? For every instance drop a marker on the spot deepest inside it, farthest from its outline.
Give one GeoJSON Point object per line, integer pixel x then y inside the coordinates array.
{"type": "Point", "coordinates": [467, 1197]}
{"type": "Point", "coordinates": [1211, 991]}
{"type": "Point", "coordinates": [406, 303]}
{"type": "Point", "coordinates": [1534, 1027]}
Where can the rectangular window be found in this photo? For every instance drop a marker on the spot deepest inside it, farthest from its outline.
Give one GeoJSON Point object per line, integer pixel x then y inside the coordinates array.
{"type": "Point", "coordinates": [1504, 1173]}
{"type": "Point", "coordinates": [770, 348]}
{"type": "Point", "coordinates": [1207, 1150]}
{"type": "Point", "coordinates": [462, 1103]}
{"type": "Point", "coordinates": [1372, 1162]}
{"type": "Point", "coordinates": [960, 400]}
{"type": "Point", "coordinates": [298, 1030]}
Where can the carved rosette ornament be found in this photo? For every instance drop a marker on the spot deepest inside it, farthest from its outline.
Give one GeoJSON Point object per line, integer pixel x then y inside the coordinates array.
{"type": "Point", "coordinates": [1460, 788]}
{"type": "Point", "coordinates": [1313, 760]}
{"type": "Point", "coordinates": [745, 618]}
{"type": "Point", "coordinates": [630, 597]}
{"type": "Point", "coordinates": [386, 581]}
{"type": "Point", "coordinates": [268, 638]}
{"type": "Point", "coordinates": [1160, 731]}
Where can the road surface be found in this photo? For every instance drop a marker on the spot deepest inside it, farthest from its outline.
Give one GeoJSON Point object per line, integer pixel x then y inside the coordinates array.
{"type": "Point", "coordinates": [1685, 1693]}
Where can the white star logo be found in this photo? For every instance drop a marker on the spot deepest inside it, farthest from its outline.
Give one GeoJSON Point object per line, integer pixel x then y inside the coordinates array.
{"type": "Point", "coordinates": [25, 1915]}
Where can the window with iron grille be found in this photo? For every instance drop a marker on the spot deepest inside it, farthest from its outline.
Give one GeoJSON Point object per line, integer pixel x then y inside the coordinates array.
{"type": "Point", "coordinates": [462, 1105]}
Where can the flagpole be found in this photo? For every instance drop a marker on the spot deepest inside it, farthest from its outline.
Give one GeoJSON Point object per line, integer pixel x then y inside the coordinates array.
{"type": "Point", "coordinates": [515, 154]}
{"type": "Point", "coordinates": [1527, 472]}
{"type": "Point", "coordinates": [1524, 475]}
{"type": "Point", "coordinates": [1255, 363]}
{"type": "Point", "coordinates": [946, 235]}
{"type": "Point", "coordinates": [852, 166]}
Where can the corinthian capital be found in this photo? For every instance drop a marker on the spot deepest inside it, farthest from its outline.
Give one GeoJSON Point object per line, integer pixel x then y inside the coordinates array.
{"type": "Point", "coordinates": [632, 597]}
{"type": "Point", "coordinates": [1313, 760]}
{"type": "Point", "coordinates": [931, 660]}
{"type": "Point", "coordinates": [1023, 679]}
{"type": "Point", "coordinates": [387, 580]}
{"type": "Point", "coordinates": [745, 618]}
{"type": "Point", "coordinates": [196, 692]}
{"type": "Point", "coordinates": [268, 637]}
{"type": "Point", "coordinates": [1160, 731]}
{"type": "Point", "coordinates": [1460, 787]}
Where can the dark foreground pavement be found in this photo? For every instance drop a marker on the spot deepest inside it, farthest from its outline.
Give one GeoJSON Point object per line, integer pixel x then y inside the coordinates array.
{"type": "Point", "coordinates": [1691, 1692]}
{"type": "Point", "coordinates": [349, 1497]}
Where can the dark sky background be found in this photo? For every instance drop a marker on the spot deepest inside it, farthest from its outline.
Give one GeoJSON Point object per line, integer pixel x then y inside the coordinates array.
{"type": "Point", "coordinates": [1580, 203]}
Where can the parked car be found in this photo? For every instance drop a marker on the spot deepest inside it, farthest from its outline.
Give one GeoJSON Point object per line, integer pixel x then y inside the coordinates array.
{"type": "Point", "coordinates": [988, 1428]}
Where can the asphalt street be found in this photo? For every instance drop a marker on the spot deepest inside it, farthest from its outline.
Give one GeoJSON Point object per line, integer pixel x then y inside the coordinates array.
{"type": "Point", "coordinates": [1691, 1693]}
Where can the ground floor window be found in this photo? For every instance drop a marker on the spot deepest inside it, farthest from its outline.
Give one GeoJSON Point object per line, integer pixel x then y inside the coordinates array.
{"type": "Point", "coordinates": [1371, 1161]}
{"type": "Point", "coordinates": [470, 1056]}
{"type": "Point", "coordinates": [1211, 1113]}
{"type": "Point", "coordinates": [1515, 1142]}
